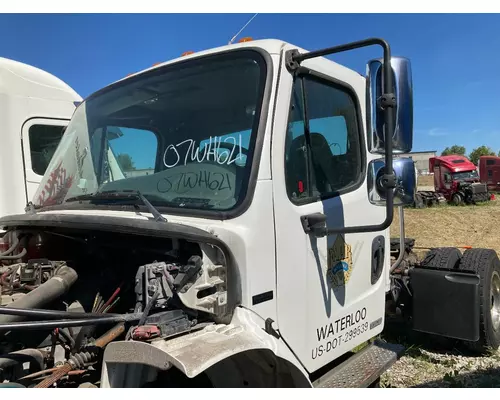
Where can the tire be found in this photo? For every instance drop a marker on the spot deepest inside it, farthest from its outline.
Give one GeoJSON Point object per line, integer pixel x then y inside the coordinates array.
{"type": "Point", "coordinates": [486, 264]}
{"type": "Point", "coordinates": [442, 258]}
{"type": "Point", "coordinates": [419, 201]}
{"type": "Point", "coordinates": [457, 199]}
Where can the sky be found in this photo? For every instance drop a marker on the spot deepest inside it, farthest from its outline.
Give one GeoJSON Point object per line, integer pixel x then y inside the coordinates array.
{"type": "Point", "coordinates": [454, 57]}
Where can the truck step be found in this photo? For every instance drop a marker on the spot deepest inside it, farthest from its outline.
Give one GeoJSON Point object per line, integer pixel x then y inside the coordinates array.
{"type": "Point", "coordinates": [363, 368]}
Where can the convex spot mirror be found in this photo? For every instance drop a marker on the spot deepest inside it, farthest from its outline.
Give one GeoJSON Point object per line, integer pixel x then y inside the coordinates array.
{"type": "Point", "coordinates": [406, 182]}
{"type": "Point", "coordinates": [402, 137]}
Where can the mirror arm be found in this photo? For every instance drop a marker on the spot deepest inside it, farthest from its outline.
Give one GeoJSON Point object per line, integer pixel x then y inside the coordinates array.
{"type": "Point", "coordinates": [387, 102]}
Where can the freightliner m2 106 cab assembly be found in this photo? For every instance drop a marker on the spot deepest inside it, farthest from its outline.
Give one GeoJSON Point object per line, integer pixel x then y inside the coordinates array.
{"type": "Point", "coordinates": [221, 220]}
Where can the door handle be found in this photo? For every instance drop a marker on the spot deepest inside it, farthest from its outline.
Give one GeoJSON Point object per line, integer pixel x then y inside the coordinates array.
{"type": "Point", "coordinates": [378, 256]}
{"type": "Point", "coordinates": [314, 223]}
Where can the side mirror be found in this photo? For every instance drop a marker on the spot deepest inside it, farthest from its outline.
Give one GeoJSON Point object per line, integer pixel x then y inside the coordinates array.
{"type": "Point", "coordinates": [406, 182]}
{"type": "Point", "coordinates": [402, 139]}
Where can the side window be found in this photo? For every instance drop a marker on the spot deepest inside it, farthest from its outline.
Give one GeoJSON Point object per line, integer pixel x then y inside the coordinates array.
{"type": "Point", "coordinates": [323, 154]}
{"type": "Point", "coordinates": [490, 162]}
{"type": "Point", "coordinates": [490, 173]}
{"type": "Point", "coordinates": [43, 143]}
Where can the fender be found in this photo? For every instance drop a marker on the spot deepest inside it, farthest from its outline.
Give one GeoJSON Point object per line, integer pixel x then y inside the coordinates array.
{"type": "Point", "coordinates": [218, 350]}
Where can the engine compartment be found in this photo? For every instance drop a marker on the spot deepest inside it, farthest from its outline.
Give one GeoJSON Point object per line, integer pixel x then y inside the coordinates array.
{"type": "Point", "coordinates": [67, 293]}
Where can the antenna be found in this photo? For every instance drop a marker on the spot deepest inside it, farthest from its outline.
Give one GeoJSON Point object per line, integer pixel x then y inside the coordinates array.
{"type": "Point", "coordinates": [241, 30]}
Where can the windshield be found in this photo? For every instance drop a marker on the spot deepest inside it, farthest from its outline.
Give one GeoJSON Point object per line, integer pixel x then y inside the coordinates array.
{"type": "Point", "coordinates": [460, 176]}
{"type": "Point", "coordinates": [183, 135]}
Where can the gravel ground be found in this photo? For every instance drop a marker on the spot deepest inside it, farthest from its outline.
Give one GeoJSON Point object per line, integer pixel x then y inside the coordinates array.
{"type": "Point", "coordinates": [423, 368]}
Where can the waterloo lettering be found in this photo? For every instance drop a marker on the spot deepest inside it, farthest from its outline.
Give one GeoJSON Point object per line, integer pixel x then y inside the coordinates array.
{"type": "Point", "coordinates": [186, 181]}
{"type": "Point", "coordinates": [340, 331]}
{"type": "Point", "coordinates": [221, 151]}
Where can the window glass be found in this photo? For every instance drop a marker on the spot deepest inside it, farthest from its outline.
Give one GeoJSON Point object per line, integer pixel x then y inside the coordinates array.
{"type": "Point", "coordinates": [323, 154]}
{"type": "Point", "coordinates": [183, 135]}
{"type": "Point", "coordinates": [130, 152]}
{"type": "Point", "coordinates": [43, 143]}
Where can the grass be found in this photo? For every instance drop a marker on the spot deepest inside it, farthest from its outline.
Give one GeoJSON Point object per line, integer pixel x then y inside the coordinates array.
{"type": "Point", "coordinates": [448, 225]}
{"type": "Point", "coordinates": [428, 364]}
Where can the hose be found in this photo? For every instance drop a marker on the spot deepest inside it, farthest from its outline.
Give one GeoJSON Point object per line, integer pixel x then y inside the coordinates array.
{"type": "Point", "coordinates": [75, 360]}
{"type": "Point", "coordinates": [50, 314]}
{"type": "Point", "coordinates": [21, 356]}
{"type": "Point", "coordinates": [15, 257]}
{"type": "Point", "coordinates": [66, 323]}
{"type": "Point", "coordinates": [69, 339]}
{"type": "Point", "coordinates": [43, 294]}
{"type": "Point", "coordinates": [5, 257]}
{"type": "Point", "coordinates": [148, 307]}
{"type": "Point", "coordinates": [11, 248]}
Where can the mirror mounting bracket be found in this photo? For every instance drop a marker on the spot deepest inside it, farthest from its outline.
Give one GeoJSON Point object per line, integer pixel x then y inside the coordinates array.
{"type": "Point", "coordinates": [388, 181]}
{"type": "Point", "coordinates": [387, 100]}
{"type": "Point", "coordinates": [290, 62]}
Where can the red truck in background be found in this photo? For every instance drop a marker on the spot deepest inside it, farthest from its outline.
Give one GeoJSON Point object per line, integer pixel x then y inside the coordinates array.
{"type": "Point", "coordinates": [456, 181]}
{"type": "Point", "coordinates": [489, 172]}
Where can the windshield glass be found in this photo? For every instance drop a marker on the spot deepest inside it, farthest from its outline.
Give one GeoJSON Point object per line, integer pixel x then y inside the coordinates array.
{"type": "Point", "coordinates": [460, 176]}
{"type": "Point", "coordinates": [183, 135]}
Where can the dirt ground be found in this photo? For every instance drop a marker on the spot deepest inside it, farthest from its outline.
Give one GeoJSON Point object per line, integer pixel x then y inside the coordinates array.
{"type": "Point", "coordinates": [476, 226]}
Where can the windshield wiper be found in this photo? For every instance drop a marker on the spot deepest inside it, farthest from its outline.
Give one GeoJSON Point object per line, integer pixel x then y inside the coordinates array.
{"type": "Point", "coordinates": [152, 209]}
{"type": "Point", "coordinates": [121, 195]}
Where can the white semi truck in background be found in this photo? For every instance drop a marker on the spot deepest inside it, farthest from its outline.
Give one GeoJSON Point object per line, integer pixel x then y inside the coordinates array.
{"type": "Point", "coordinates": [257, 253]}
{"type": "Point", "coordinates": [35, 107]}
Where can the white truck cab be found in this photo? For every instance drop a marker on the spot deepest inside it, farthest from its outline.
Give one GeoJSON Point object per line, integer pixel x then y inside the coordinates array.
{"type": "Point", "coordinates": [35, 106]}
{"type": "Point", "coordinates": [232, 209]}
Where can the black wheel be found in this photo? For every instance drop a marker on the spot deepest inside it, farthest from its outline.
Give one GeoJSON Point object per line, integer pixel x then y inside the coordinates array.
{"type": "Point", "coordinates": [442, 258]}
{"type": "Point", "coordinates": [486, 264]}
{"type": "Point", "coordinates": [419, 201]}
{"type": "Point", "coordinates": [457, 199]}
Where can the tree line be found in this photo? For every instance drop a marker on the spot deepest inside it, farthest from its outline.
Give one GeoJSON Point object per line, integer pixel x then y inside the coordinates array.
{"type": "Point", "coordinates": [474, 154]}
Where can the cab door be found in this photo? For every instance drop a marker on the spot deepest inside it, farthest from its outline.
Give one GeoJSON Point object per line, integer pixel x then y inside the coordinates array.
{"type": "Point", "coordinates": [40, 138]}
{"type": "Point", "coordinates": [331, 290]}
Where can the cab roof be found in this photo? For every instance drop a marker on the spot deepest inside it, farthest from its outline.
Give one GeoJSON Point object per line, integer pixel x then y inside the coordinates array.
{"type": "Point", "coordinates": [454, 163]}
{"type": "Point", "coordinates": [19, 79]}
{"type": "Point", "coordinates": [272, 46]}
